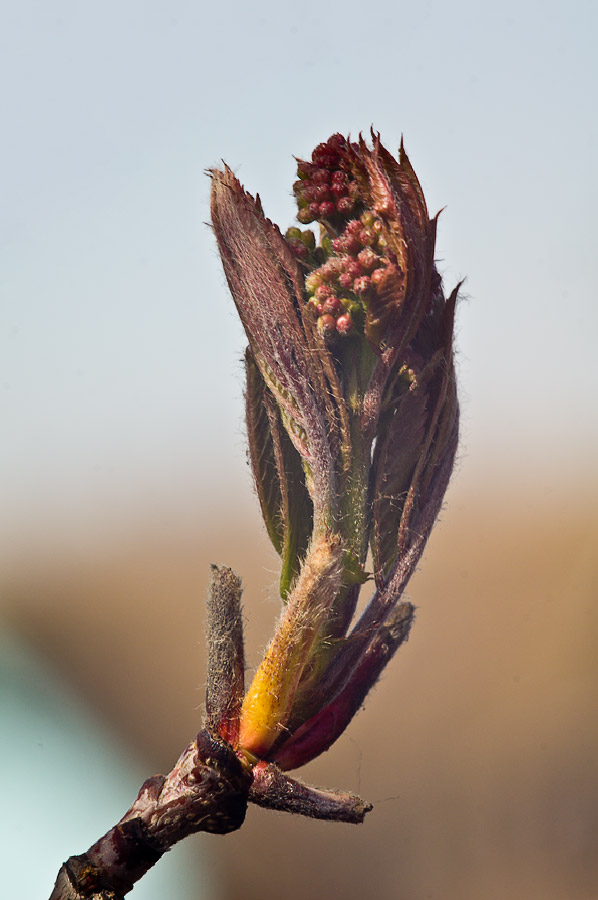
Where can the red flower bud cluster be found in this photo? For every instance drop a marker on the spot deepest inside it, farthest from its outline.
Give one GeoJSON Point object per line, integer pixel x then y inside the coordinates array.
{"type": "Point", "coordinates": [342, 288]}
{"type": "Point", "coordinates": [324, 190]}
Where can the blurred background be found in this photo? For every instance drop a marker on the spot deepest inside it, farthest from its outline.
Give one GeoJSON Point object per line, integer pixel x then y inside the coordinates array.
{"type": "Point", "coordinates": [123, 457]}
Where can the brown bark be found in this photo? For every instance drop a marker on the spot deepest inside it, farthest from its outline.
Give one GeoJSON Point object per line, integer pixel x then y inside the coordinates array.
{"type": "Point", "coordinates": [206, 791]}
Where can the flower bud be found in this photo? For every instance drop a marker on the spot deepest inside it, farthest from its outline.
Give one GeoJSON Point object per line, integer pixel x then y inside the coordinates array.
{"type": "Point", "coordinates": [352, 419]}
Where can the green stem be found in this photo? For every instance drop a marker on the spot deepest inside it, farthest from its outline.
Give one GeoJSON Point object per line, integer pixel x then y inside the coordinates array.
{"type": "Point", "coordinates": [354, 517]}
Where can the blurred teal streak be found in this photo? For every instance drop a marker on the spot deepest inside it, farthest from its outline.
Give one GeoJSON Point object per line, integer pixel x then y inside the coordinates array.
{"type": "Point", "coordinates": [66, 781]}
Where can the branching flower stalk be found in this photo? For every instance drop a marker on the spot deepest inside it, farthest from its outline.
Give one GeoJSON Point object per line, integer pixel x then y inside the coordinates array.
{"type": "Point", "coordinates": [352, 422]}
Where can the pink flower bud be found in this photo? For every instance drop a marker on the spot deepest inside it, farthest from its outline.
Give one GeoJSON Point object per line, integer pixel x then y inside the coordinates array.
{"type": "Point", "coordinates": [344, 324]}
{"type": "Point", "coordinates": [332, 305]}
{"type": "Point", "coordinates": [326, 210]}
{"type": "Point", "coordinates": [362, 284]}
{"type": "Point", "coordinates": [321, 176]}
{"type": "Point", "coordinates": [326, 323]}
{"type": "Point", "coordinates": [345, 206]}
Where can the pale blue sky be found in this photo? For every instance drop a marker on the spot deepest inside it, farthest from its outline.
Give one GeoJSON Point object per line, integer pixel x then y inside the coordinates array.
{"type": "Point", "coordinates": [120, 350]}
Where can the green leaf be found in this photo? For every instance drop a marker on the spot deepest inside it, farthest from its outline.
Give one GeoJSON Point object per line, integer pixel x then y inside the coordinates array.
{"type": "Point", "coordinates": [296, 505]}
{"type": "Point", "coordinates": [261, 453]}
{"type": "Point", "coordinates": [279, 475]}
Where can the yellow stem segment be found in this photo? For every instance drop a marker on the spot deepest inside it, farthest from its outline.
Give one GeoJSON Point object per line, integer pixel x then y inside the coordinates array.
{"type": "Point", "coordinates": [269, 700]}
